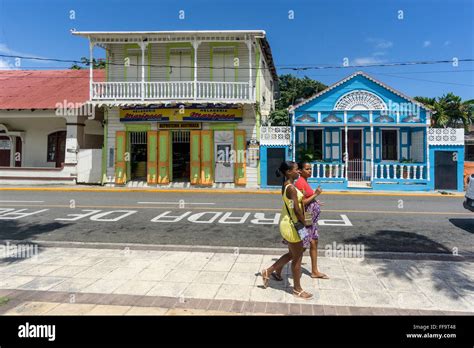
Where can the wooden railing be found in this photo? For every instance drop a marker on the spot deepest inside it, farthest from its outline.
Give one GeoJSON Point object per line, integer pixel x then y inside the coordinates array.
{"type": "Point", "coordinates": [327, 170]}
{"type": "Point", "coordinates": [403, 171]}
{"type": "Point", "coordinates": [173, 90]}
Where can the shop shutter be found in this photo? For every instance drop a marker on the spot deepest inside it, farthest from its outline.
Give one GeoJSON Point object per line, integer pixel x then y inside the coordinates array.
{"type": "Point", "coordinates": [404, 144]}
{"type": "Point", "coordinates": [152, 148]}
{"type": "Point", "coordinates": [240, 160]}
{"type": "Point", "coordinates": [335, 144]}
{"type": "Point", "coordinates": [120, 157]}
{"type": "Point", "coordinates": [195, 147]}
{"type": "Point", "coordinates": [163, 157]}
{"type": "Point", "coordinates": [206, 157]}
{"type": "Point", "coordinates": [327, 144]}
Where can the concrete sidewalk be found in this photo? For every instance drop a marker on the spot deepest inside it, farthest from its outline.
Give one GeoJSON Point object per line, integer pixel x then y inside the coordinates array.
{"type": "Point", "coordinates": [98, 281]}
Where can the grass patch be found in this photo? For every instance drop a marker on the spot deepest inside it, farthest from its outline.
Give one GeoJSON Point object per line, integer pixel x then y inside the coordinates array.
{"type": "Point", "coordinates": [4, 300]}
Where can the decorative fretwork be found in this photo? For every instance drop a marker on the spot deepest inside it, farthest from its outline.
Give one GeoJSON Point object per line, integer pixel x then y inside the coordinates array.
{"type": "Point", "coordinates": [446, 136]}
{"type": "Point", "coordinates": [275, 135]}
{"type": "Point", "coordinates": [360, 100]}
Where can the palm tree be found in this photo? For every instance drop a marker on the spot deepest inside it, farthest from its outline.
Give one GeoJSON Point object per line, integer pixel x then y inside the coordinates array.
{"type": "Point", "coordinates": [450, 111]}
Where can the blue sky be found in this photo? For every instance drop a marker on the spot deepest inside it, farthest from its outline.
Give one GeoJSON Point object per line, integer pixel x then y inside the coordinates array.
{"type": "Point", "coordinates": [323, 32]}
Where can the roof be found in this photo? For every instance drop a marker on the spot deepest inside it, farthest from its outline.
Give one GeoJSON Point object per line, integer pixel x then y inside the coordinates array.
{"type": "Point", "coordinates": [350, 77]}
{"type": "Point", "coordinates": [109, 37]}
{"type": "Point", "coordinates": [43, 89]}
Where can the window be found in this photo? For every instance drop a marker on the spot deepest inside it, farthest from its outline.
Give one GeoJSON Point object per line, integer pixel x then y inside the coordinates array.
{"type": "Point", "coordinates": [389, 145]}
{"type": "Point", "coordinates": [314, 143]}
{"type": "Point", "coordinates": [56, 147]}
{"type": "Point", "coordinates": [223, 64]}
{"type": "Point", "coordinates": [181, 67]}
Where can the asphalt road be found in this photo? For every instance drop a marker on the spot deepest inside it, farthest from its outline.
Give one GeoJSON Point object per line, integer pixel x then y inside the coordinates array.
{"type": "Point", "coordinates": [379, 223]}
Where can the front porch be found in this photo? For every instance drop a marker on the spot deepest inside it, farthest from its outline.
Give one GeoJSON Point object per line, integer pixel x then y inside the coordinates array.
{"type": "Point", "coordinates": [364, 174]}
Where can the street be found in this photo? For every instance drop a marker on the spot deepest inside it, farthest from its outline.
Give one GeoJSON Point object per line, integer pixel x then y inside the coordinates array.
{"type": "Point", "coordinates": [379, 223]}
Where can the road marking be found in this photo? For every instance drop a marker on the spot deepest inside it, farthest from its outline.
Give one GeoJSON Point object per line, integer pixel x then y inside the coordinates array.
{"type": "Point", "coordinates": [21, 201]}
{"type": "Point", "coordinates": [184, 203]}
{"type": "Point", "coordinates": [244, 209]}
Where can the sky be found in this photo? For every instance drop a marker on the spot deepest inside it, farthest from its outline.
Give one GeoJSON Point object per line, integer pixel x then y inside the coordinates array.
{"type": "Point", "coordinates": [301, 33]}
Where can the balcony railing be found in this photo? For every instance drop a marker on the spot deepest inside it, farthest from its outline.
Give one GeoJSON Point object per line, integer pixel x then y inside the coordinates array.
{"type": "Point", "coordinates": [173, 90]}
{"type": "Point", "coordinates": [328, 170]}
{"type": "Point", "coordinates": [400, 171]}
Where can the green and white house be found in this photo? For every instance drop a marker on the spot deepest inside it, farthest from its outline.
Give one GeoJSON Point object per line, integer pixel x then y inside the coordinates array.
{"type": "Point", "coordinates": [175, 101]}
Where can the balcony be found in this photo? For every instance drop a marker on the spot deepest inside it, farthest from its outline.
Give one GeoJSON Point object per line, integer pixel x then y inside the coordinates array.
{"type": "Point", "coordinates": [173, 91]}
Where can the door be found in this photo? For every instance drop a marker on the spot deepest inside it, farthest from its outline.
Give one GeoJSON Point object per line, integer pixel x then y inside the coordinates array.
{"type": "Point", "coordinates": [275, 156]}
{"type": "Point", "coordinates": [445, 170]}
{"type": "Point", "coordinates": [355, 164]}
{"type": "Point", "coordinates": [5, 148]}
{"type": "Point", "coordinates": [224, 170]}
{"type": "Point", "coordinates": [181, 65]}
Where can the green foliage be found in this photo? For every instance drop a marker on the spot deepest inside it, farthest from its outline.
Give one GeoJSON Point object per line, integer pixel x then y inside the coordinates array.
{"type": "Point", "coordinates": [292, 90]}
{"type": "Point", "coordinates": [303, 154]}
{"type": "Point", "coordinates": [450, 111]}
{"type": "Point", "coordinates": [96, 64]}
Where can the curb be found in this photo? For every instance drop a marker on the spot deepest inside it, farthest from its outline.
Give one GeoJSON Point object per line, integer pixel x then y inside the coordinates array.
{"type": "Point", "coordinates": [228, 191]}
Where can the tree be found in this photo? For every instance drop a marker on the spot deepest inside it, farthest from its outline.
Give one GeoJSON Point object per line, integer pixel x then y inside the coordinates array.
{"type": "Point", "coordinates": [292, 89]}
{"type": "Point", "coordinates": [450, 111]}
{"type": "Point", "coordinates": [96, 64]}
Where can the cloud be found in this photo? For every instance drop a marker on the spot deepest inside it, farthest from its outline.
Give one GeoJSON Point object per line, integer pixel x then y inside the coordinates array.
{"type": "Point", "coordinates": [4, 49]}
{"type": "Point", "coordinates": [447, 43]}
{"type": "Point", "coordinates": [5, 64]}
{"type": "Point", "coordinates": [426, 43]}
{"type": "Point", "coordinates": [367, 61]}
{"type": "Point", "coordinates": [380, 44]}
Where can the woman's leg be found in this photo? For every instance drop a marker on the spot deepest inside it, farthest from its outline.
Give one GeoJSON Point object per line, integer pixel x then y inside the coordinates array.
{"type": "Point", "coordinates": [279, 264]}
{"type": "Point", "coordinates": [296, 250]}
{"type": "Point", "coordinates": [313, 252]}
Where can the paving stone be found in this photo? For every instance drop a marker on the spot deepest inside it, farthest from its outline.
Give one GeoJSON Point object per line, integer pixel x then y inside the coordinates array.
{"type": "Point", "coordinates": [234, 292]}
{"type": "Point", "coordinates": [71, 309]}
{"type": "Point", "coordinates": [42, 283]}
{"type": "Point", "coordinates": [196, 290]}
{"type": "Point", "coordinates": [173, 289]}
{"type": "Point", "coordinates": [32, 308]}
{"type": "Point", "coordinates": [135, 287]}
{"type": "Point", "coordinates": [108, 310]}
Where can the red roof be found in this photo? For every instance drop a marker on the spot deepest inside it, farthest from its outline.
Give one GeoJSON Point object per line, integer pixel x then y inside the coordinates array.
{"type": "Point", "coordinates": [42, 89]}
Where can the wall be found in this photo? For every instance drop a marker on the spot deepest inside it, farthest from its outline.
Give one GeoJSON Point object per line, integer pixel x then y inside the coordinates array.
{"type": "Point", "coordinates": [89, 166]}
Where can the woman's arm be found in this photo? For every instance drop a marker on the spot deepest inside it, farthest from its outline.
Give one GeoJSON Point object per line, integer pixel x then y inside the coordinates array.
{"type": "Point", "coordinates": [316, 193]}
{"type": "Point", "coordinates": [291, 194]}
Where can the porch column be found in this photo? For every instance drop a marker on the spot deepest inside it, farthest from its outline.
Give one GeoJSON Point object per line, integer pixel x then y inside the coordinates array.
{"type": "Point", "coordinates": [251, 92]}
{"type": "Point", "coordinates": [91, 68]}
{"type": "Point", "coordinates": [74, 138]}
{"type": "Point", "coordinates": [294, 135]}
{"type": "Point", "coordinates": [346, 154]}
{"type": "Point", "coordinates": [371, 117]}
{"type": "Point", "coordinates": [428, 165]}
{"type": "Point", "coordinates": [142, 46]}
{"type": "Point", "coordinates": [195, 47]}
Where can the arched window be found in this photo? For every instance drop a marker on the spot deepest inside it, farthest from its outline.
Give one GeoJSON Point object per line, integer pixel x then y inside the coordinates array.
{"type": "Point", "coordinates": [57, 147]}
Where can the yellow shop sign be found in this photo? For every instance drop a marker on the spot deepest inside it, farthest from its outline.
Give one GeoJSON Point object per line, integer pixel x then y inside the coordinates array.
{"type": "Point", "coordinates": [182, 113]}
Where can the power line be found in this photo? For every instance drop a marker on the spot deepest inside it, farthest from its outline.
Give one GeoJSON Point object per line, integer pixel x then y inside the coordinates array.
{"type": "Point", "coordinates": [320, 67]}
{"type": "Point", "coordinates": [424, 80]}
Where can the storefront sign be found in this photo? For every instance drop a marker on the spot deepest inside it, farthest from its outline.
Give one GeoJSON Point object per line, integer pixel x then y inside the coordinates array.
{"type": "Point", "coordinates": [196, 125]}
{"type": "Point", "coordinates": [5, 144]}
{"type": "Point", "coordinates": [180, 113]}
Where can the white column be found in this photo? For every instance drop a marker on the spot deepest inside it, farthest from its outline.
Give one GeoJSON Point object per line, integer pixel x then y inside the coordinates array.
{"type": "Point", "coordinates": [371, 152]}
{"type": "Point", "coordinates": [195, 46]}
{"type": "Point", "coordinates": [142, 46]}
{"type": "Point", "coordinates": [294, 134]}
{"type": "Point", "coordinates": [91, 68]}
{"type": "Point", "coordinates": [251, 91]}
{"type": "Point", "coordinates": [345, 150]}
{"type": "Point", "coordinates": [428, 165]}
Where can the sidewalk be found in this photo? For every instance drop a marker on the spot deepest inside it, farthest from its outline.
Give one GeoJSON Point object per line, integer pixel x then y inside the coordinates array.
{"type": "Point", "coordinates": [113, 281]}
{"type": "Point", "coordinates": [205, 189]}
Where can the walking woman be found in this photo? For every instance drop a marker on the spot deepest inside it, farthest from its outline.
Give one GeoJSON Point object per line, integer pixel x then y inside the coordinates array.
{"type": "Point", "coordinates": [292, 224]}
{"type": "Point", "coordinates": [312, 207]}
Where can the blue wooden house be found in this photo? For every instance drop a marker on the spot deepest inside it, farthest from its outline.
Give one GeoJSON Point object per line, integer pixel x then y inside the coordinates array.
{"type": "Point", "coordinates": [360, 133]}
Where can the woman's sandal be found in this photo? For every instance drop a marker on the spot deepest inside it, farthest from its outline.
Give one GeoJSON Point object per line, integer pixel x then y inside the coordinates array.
{"type": "Point", "coordinates": [265, 277]}
{"type": "Point", "coordinates": [276, 277]}
{"type": "Point", "coordinates": [303, 294]}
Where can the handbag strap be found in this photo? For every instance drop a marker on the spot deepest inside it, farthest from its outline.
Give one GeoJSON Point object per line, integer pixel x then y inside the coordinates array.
{"type": "Point", "coordinates": [286, 206]}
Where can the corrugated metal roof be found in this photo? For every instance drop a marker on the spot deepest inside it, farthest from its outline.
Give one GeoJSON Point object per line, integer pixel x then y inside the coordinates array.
{"type": "Point", "coordinates": [43, 89]}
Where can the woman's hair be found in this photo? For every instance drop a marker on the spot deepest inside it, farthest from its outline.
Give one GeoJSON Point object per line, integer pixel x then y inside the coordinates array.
{"type": "Point", "coordinates": [284, 166]}
{"type": "Point", "coordinates": [302, 164]}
